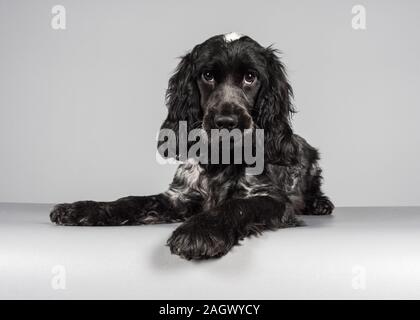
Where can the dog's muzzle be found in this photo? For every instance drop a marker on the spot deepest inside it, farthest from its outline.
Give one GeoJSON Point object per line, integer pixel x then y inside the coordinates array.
{"type": "Point", "coordinates": [227, 116]}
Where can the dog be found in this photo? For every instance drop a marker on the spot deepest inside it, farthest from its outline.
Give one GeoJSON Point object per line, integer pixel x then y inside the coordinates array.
{"type": "Point", "coordinates": [227, 82]}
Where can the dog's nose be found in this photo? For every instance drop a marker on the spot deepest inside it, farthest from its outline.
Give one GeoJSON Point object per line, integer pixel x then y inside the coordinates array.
{"type": "Point", "coordinates": [226, 122]}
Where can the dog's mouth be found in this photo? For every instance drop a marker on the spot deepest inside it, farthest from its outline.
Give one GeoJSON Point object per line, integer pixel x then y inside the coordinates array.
{"type": "Point", "coordinates": [228, 141]}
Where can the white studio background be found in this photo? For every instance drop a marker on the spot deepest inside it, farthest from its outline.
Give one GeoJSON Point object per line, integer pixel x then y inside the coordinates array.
{"type": "Point", "coordinates": [80, 107]}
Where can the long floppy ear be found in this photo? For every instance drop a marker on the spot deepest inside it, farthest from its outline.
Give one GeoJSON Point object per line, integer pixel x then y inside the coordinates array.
{"type": "Point", "coordinates": [274, 110]}
{"type": "Point", "coordinates": [182, 99]}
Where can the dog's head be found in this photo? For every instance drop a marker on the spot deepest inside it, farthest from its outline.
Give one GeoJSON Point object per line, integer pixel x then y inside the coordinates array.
{"type": "Point", "coordinates": [232, 82]}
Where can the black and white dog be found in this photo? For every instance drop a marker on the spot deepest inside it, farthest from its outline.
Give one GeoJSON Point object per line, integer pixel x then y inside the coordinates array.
{"type": "Point", "coordinates": [228, 81]}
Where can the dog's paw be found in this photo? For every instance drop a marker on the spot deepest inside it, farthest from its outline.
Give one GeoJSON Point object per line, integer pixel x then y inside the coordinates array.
{"type": "Point", "coordinates": [81, 213]}
{"type": "Point", "coordinates": [197, 241]}
{"type": "Point", "coordinates": [323, 206]}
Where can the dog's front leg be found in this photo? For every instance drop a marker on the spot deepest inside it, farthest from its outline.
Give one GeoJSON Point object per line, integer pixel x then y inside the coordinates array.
{"type": "Point", "coordinates": [125, 211]}
{"type": "Point", "coordinates": [214, 232]}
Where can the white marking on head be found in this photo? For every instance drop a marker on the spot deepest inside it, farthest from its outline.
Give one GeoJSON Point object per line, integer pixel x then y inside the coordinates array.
{"type": "Point", "coordinates": [232, 36]}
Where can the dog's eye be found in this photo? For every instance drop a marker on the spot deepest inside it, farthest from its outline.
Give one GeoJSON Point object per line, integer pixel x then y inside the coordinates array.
{"type": "Point", "coordinates": [208, 76]}
{"type": "Point", "coordinates": [249, 77]}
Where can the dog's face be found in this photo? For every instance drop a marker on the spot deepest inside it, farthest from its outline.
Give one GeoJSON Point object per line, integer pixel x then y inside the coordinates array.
{"type": "Point", "coordinates": [229, 76]}
{"type": "Point", "coordinates": [232, 82]}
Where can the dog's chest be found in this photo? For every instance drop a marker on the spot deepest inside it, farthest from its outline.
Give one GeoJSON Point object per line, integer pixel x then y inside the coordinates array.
{"type": "Point", "coordinates": [191, 178]}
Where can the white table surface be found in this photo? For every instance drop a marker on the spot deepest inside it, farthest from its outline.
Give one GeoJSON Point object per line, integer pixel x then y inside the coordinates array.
{"type": "Point", "coordinates": [357, 253]}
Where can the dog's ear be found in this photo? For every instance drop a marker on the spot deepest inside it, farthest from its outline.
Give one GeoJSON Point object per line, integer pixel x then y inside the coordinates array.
{"type": "Point", "coordinates": [183, 98]}
{"type": "Point", "coordinates": [273, 113]}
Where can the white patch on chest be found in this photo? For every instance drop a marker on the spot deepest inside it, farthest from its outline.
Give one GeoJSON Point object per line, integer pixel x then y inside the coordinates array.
{"type": "Point", "coordinates": [192, 172]}
{"type": "Point", "coordinates": [232, 36]}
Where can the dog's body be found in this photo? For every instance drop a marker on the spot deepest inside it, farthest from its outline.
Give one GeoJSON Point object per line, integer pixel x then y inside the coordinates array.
{"type": "Point", "coordinates": [229, 81]}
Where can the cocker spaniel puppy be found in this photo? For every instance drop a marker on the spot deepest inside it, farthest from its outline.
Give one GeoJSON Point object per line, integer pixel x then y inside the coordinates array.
{"type": "Point", "coordinates": [227, 82]}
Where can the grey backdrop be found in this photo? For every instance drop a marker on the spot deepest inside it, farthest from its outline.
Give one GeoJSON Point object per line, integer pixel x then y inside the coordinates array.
{"type": "Point", "coordinates": [80, 108]}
